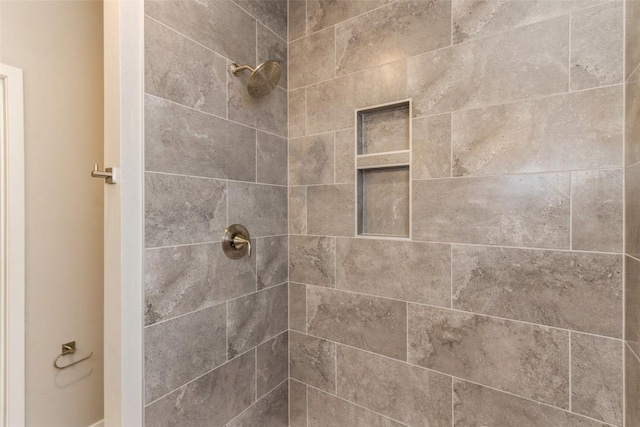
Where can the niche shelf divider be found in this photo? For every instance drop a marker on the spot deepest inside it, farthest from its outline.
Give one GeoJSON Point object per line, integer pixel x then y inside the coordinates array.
{"type": "Point", "coordinates": [383, 170]}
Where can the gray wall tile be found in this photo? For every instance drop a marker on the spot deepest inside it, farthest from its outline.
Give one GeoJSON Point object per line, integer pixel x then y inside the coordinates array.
{"type": "Point", "coordinates": [297, 210]}
{"type": "Point", "coordinates": [632, 36]}
{"type": "Point", "coordinates": [597, 377]}
{"type": "Point", "coordinates": [527, 360]}
{"type": "Point", "coordinates": [297, 404]}
{"type": "Point", "coordinates": [298, 307]}
{"type": "Point", "coordinates": [268, 113]}
{"type": "Point", "coordinates": [180, 350]}
{"type": "Point", "coordinates": [312, 260]}
{"type": "Point", "coordinates": [515, 210]}
{"type": "Point", "coordinates": [331, 210]}
{"type": "Point", "coordinates": [272, 410]}
{"type": "Point", "coordinates": [272, 363]}
{"type": "Point", "coordinates": [312, 361]}
{"type": "Point", "coordinates": [254, 318]}
{"type": "Point", "coordinates": [578, 291]}
{"type": "Point", "coordinates": [181, 210]}
{"type": "Point", "coordinates": [201, 403]}
{"type": "Point", "coordinates": [297, 19]}
{"type": "Point", "coordinates": [410, 271]}
{"type": "Point", "coordinates": [531, 61]}
{"type": "Point", "coordinates": [326, 410]}
{"type": "Point", "coordinates": [272, 259]}
{"type": "Point", "coordinates": [297, 112]}
{"type": "Point", "coordinates": [403, 392]}
{"type": "Point", "coordinates": [182, 279]}
{"type": "Point", "coordinates": [312, 58]}
{"type": "Point", "coordinates": [345, 156]}
{"type": "Point", "coordinates": [271, 159]}
{"type": "Point", "coordinates": [272, 13]}
{"type": "Point", "coordinates": [632, 118]}
{"type": "Point", "coordinates": [180, 70]}
{"type": "Point", "coordinates": [311, 160]}
{"type": "Point", "coordinates": [271, 47]}
{"type": "Point", "coordinates": [632, 388]}
{"type": "Point", "coordinates": [325, 13]}
{"type": "Point", "coordinates": [431, 147]}
{"type": "Point", "coordinates": [632, 302]}
{"type": "Point", "coordinates": [370, 323]}
{"type": "Point", "coordinates": [260, 208]}
{"type": "Point", "coordinates": [632, 208]}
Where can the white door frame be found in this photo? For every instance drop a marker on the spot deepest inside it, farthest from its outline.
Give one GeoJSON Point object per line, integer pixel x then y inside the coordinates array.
{"type": "Point", "coordinates": [12, 264]}
{"type": "Point", "coordinates": [124, 213]}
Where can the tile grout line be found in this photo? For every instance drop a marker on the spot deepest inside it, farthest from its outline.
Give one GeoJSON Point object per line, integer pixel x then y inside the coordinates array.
{"type": "Point", "coordinates": [214, 179]}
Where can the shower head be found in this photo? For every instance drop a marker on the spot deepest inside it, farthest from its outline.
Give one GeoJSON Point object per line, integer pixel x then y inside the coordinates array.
{"type": "Point", "coordinates": [262, 80]}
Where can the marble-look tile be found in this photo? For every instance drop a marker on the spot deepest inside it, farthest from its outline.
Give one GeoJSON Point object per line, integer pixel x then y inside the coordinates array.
{"type": "Point", "coordinates": [312, 260]}
{"type": "Point", "coordinates": [409, 271]}
{"type": "Point", "coordinates": [475, 406]}
{"type": "Point", "coordinates": [182, 279]}
{"type": "Point", "coordinates": [406, 393]}
{"type": "Point", "coordinates": [326, 410]}
{"type": "Point", "coordinates": [297, 19]}
{"type": "Point", "coordinates": [297, 112]}
{"type": "Point", "coordinates": [268, 113]}
{"type": "Point", "coordinates": [473, 18]}
{"type": "Point", "coordinates": [311, 160]}
{"type": "Point", "coordinates": [182, 349]}
{"type": "Point", "coordinates": [632, 388]}
{"type": "Point", "coordinates": [271, 165]}
{"type": "Point", "coordinates": [632, 118]}
{"type": "Point", "coordinates": [220, 25]}
{"type": "Point", "coordinates": [384, 129]}
{"type": "Point", "coordinates": [272, 13]}
{"type": "Point", "coordinates": [370, 323]}
{"type": "Point", "coordinates": [312, 361]}
{"type": "Point", "coordinates": [273, 48]}
{"type": "Point", "coordinates": [513, 210]}
{"type": "Point", "coordinates": [312, 58]}
{"type": "Point", "coordinates": [297, 404]}
{"type": "Point", "coordinates": [345, 156]}
{"type": "Point", "coordinates": [183, 71]}
{"type": "Point", "coordinates": [597, 377]}
{"type": "Point", "coordinates": [597, 208]}
{"type": "Point", "coordinates": [260, 208]}
{"type": "Point", "coordinates": [331, 104]}
{"type": "Point", "coordinates": [297, 210]}
{"type": "Point", "coordinates": [523, 63]}
{"type": "Point", "coordinates": [570, 131]}
{"type": "Point", "coordinates": [183, 141]}
{"type": "Point", "coordinates": [254, 318]}
{"type": "Point", "coordinates": [384, 202]}
{"type": "Point", "coordinates": [632, 208]}
{"type": "Point", "coordinates": [569, 290]}
{"type": "Point", "coordinates": [632, 302]}
{"type": "Point", "coordinates": [180, 210]}
{"type": "Point", "coordinates": [272, 410]}
{"type": "Point", "coordinates": [325, 13]}
{"type": "Point", "coordinates": [272, 363]}
{"type": "Point", "coordinates": [431, 146]}
{"type": "Point", "coordinates": [297, 307]}
{"type": "Point", "coordinates": [272, 258]}
{"type": "Point", "coordinates": [396, 31]}
{"type": "Point", "coordinates": [597, 46]}
{"type": "Point", "coordinates": [524, 359]}
{"type": "Point", "coordinates": [211, 400]}
{"type": "Point", "coordinates": [331, 210]}
{"type": "Point", "coordinates": [632, 36]}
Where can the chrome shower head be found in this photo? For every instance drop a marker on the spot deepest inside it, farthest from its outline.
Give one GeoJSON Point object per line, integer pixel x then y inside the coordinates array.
{"type": "Point", "coordinates": [263, 79]}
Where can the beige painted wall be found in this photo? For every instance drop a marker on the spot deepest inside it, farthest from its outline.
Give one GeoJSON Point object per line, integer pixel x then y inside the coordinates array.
{"type": "Point", "coordinates": [58, 44]}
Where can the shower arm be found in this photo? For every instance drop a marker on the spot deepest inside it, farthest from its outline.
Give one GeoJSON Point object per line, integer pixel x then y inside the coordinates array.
{"type": "Point", "coordinates": [236, 68]}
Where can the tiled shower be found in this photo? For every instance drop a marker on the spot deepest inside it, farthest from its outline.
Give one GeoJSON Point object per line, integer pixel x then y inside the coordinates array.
{"type": "Point", "coordinates": [444, 204]}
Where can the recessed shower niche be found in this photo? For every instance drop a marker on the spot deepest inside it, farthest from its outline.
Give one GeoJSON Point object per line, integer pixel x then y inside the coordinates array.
{"type": "Point", "coordinates": [383, 153]}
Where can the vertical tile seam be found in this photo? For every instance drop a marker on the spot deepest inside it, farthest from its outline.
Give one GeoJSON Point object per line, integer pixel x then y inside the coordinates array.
{"type": "Point", "coordinates": [624, 212]}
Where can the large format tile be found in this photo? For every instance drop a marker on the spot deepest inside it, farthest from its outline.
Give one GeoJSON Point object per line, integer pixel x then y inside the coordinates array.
{"type": "Point", "coordinates": [325, 13]}
{"type": "Point", "coordinates": [312, 260]}
{"type": "Point", "coordinates": [254, 318]}
{"type": "Point", "coordinates": [211, 400]}
{"type": "Point", "coordinates": [268, 113]}
{"type": "Point", "coordinates": [578, 291]}
{"type": "Point", "coordinates": [632, 388]}
{"type": "Point", "coordinates": [260, 208]}
{"type": "Point", "coordinates": [345, 156]}
{"type": "Point", "coordinates": [297, 19]}
{"type": "Point", "coordinates": [403, 392]}
{"type": "Point", "coordinates": [632, 302]}
{"type": "Point", "coordinates": [597, 210]}
{"type": "Point", "coordinates": [312, 58]}
{"type": "Point", "coordinates": [597, 46]}
{"type": "Point", "coordinates": [183, 71]}
{"type": "Point", "coordinates": [184, 141]}
{"type": "Point", "coordinates": [632, 36]}
{"type": "Point", "coordinates": [331, 210]}
{"type": "Point", "coordinates": [527, 360]}
{"type": "Point", "coordinates": [181, 210]}
{"type": "Point", "coordinates": [182, 279]}
{"type": "Point", "coordinates": [297, 307]}
{"type": "Point", "coordinates": [272, 13]}
{"type": "Point", "coordinates": [311, 160]}
{"type": "Point", "coordinates": [331, 104]}
{"type": "Point", "coordinates": [297, 404]}
{"type": "Point", "coordinates": [182, 349]}
{"type": "Point", "coordinates": [632, 118]}
{"type": "Point", "coordinates": [393, 32]}
{"type": "Point", "coordinates": [528, 62]}
{"type": "Point", "coordinates": [272, 363]}
{"type": "Point", "coordinates": [312, 361]}
{"type": "Point", "coordinates": [220, 25]}
{"type": "Point", "coordinates": [297, 112]}
{"type": "Point", "coordinates": [475, 406]}
{"type": "Point", "coordinates": [410, 271]}
{"type": "Point", "coordinates": [297, 210]}
{"type": "Point", "coordinates": [326, 410]}
{"type": "Point", "coordinates": [273, 48]}
{"type": "Point", "coordinates": [431, 147]}
{"type": "Point", "coordinates": [272, 259]}
{"type": "Point", "coordinates": [272, 410]}
{"type": "Point", "coordinates": [374, 324]}
{"type": "Point", "coordinates": [570, 131]}
{"type": "Point", "coordinates": [271, 162]}
{"type": "Point", "coordinates": [597, 377]}
{"type": "Point", "coordinates": [512, 210]}
{"type": "Point", "coordinates": [632, 208]}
